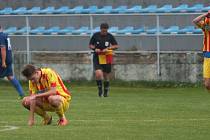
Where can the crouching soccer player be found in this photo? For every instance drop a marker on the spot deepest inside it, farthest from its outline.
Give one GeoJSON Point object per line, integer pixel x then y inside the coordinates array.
{"type": "Point", "coordinates": [47, 93]}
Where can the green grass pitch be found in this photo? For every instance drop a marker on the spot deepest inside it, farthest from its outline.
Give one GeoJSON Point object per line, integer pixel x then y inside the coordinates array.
{"type": "Point", "coordinates": [128, 114]}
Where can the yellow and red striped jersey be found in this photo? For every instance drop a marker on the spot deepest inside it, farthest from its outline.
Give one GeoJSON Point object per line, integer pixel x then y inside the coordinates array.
{"type": "Point", "coordinates": [205, 26]}
{"type": "Point", "coordinates": [49, 79]}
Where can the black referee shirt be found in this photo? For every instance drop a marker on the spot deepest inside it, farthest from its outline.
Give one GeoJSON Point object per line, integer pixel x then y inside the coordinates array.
{"type": "Point", "coordinates": [102, 41]}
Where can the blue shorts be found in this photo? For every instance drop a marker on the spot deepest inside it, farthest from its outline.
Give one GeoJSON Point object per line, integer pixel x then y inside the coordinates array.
{"type": "Point", "coordinates": [6, 71]}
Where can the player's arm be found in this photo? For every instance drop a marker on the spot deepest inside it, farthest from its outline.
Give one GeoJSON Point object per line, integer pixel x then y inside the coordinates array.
{"type": "Point", "coordinates": [92, 42]}
{"type": "Point", "coordinates": [31, 113]}
{"type": "Point", "coordinates": [3, 56]}
{"type": "Point", "coordinates": [197, 21]}
{"type": "Point", "coordinates": [92, 47]}
{"type": "Point", "coordinates": [33, 97]}
{"type": "Point", "coordinates": [32, 103]}
{"type": "Point", "coordinates": [52, 91]}
{"type": "Point", "coordinates": [52, 77]}
{"type": "Point", "coordinates": [114, 44]}
{"type": "Point", "coordinates": [113, 47]}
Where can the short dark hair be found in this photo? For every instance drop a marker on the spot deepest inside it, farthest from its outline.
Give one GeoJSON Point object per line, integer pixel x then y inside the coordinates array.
{"type": "Point", "coordinates": [104, 26]}
{"type": "Point", "coordinates": [28, 70]}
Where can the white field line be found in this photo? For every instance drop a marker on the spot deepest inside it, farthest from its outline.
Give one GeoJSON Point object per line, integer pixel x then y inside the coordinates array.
{"type": "Point", "coordinates": [8, 128]}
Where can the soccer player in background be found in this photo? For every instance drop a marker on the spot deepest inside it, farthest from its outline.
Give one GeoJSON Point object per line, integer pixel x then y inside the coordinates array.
{"type": "Point", "coordinates": [6, 62]}
{"type": "Point", "coordinates": [47, 93]}
{"type": "Point", "coordinates": [103, 44]}
{"type": "Point", "coordinates": [203, 22]}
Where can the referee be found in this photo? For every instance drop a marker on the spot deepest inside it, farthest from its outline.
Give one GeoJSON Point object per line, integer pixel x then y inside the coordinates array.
{"type": "Point", "coordinates": [101, 43]}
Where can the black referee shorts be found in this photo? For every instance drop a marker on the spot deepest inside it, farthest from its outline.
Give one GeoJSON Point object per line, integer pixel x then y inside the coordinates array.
{"type": "Point", "coordinates": [104, 67]}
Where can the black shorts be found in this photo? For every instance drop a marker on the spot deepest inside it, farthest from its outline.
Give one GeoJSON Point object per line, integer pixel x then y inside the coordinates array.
{"type": "Point", "coordinates": [104, 67]}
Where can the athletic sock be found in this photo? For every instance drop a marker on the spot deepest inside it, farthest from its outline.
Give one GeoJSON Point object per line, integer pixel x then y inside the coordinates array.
{"type": "Point", "coordinates": [99, 84]}
{"type": "Point", "coordinates": [106, 88]}
{"type": "Point", "coordinates": [17, 86]}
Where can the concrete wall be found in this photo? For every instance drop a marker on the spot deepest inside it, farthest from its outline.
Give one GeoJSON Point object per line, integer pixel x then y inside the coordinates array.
{"type": "Point", "coordinates": [180, 67]}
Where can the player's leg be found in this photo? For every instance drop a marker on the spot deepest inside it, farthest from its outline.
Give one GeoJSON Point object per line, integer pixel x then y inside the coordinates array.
{"type": "Point", "coordinates": [7, 72]}
{"type": "Point", "coordinates": [107, 71]}
{"type": "Point", "coordinates": [17, 85]}
{"type": "Point", "coordinates": [106, 84]}
{"type": "Point", "coordinates": [206, 73]}
{"type": "Point", "coordinates": [13, 80]}
{"type": "Point", "coordinates": [38, 109]}
{"type": "Point", "coordinates": [60, 104]}
{"type": "Point", "coordinates": [207, 83]}
{"type": "Point", "coordinates": [98, 76]}
{"type": "Point", "coordinates": [2, 72]}
{"type": "Point", "coordinates": [99, 79]}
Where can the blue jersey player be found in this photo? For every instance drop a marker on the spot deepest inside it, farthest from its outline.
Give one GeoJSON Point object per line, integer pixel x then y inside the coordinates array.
{"type": "Point", "coordinates": [6, 62]}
